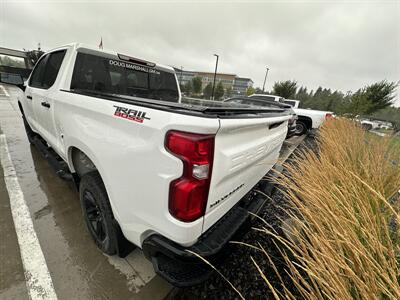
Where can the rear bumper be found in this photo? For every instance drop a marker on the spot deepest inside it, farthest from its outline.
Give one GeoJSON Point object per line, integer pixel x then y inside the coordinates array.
{"type": "Point", "coordinates": [180, 267]}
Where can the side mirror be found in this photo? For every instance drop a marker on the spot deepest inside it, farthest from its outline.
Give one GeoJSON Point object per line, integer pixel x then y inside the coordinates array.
{"type": "Point", "coordinates": [12, 79]}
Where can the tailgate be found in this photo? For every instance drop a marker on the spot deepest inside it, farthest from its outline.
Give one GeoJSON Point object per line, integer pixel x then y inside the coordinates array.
{"type": "Point", "coordinates": [245, 150]}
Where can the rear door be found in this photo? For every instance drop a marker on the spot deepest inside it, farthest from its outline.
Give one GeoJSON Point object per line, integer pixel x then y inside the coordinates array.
{"type": "Point", "coordinates": [42, 91]}
{"type": "Point", "coordinates": [32, 91]}
{"type": "Point", "coordinates": [245, 150]}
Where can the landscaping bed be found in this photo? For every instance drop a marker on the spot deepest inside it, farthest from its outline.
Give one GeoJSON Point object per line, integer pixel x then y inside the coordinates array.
{"type": "Point", "coordinates": [339, 207]}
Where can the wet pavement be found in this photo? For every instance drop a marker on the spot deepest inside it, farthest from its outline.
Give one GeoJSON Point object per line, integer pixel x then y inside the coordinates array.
{"type": "Point", "coordinates": [77, 268]}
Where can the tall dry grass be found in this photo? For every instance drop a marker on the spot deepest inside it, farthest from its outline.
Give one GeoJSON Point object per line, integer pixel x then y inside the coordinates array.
{"type": "Point", "coordinates": [342, 241]}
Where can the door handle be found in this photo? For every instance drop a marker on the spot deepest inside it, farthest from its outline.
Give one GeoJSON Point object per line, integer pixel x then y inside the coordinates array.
{"type": "Point", "coordinates": [29, 97]}
{"type": "Point", "coordinates": [45, 104]}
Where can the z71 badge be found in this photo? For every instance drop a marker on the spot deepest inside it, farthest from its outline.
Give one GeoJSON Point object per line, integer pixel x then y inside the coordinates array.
{"type": "Point", "coordinates": [130, 114]}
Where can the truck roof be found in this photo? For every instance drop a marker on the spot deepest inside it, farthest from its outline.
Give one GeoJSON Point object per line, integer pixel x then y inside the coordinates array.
{"type": "Point", "coordinates": [111, 54]}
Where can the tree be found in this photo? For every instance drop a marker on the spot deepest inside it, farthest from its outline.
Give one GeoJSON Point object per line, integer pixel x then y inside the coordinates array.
{"type": "Point", "coordinates": [250, 91]}
{"type": "Point", "coordinates": [286, 89]}
{"type": "Point", "coordinates": [366, 101]}
{"type": "Point", "coordinates": [34, 55]}
{"type": "Point", "coordinates": [188, 88]}
{"type": "Point", "coordinates": [372, 98]}
{"type": "Point", "coordinates": [219, 91]}
{"type": "Point", "coordinates": [229, 92]}
{"type": "Point", "coordinates": [197, 85]}
{"type": "Point", "coordinates": [207, 91]}
{"type": "Point", "coordinates": [302, 95]}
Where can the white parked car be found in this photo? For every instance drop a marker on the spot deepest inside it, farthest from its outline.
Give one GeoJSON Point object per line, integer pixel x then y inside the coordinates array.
{"type": "Point", "coordinates": [163, 175]}
{"type": "Point", "coordinates": [369, 125]}
{"type": "Point", "coordinates": [307, 118]}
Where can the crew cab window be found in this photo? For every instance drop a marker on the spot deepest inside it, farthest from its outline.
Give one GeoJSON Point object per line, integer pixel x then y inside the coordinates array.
{"type": "Point", "coordinates": [112, 76]}
{"type": "Point", "coordinates": [45, 73]}
{"type": "Point", "coordinates": [37, 74]}
{"type": "Point", "coordinates": [52, 67]}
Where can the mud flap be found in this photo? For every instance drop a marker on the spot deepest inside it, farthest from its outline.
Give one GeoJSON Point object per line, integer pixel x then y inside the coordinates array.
{"type": "Point", "coordinates": [124, 247]}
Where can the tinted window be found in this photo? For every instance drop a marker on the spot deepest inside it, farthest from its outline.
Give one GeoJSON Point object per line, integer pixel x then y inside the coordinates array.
{"type": "Point", "coordinates": [45, 73]}
{"type": "Point", "coordinates": [291, 103]}
{"type": "Point", "coordinates": [37, 75]}
{"type": "Point", "coordinates": [52, 67]}
{"type": "Point", "coordinates": [95, 73]}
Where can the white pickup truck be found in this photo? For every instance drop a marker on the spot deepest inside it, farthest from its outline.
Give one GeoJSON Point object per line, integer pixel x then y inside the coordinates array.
{"type": "Point", "coordinates": [151, 171]}
{"type": "Point", "coordinates": [307, 118]}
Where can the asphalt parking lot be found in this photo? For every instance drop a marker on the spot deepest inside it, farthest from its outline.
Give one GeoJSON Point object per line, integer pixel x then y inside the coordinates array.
{"type": "Point", "coordinates": [74, 267]}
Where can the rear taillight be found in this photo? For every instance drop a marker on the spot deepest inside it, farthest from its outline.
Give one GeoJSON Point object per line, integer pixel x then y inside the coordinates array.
{"type": "Point", "coordinates": [188, 194]}
{"type": "Point", "coordinates": [328, 116]}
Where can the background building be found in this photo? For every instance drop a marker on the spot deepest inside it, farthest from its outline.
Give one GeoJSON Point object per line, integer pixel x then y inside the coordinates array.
{"type": "Point", "coordinates": [227, 80]}
{"type": "Point", "coordinates": [184, 76]}
{"type": "Point", "coordinates": [239, 85]}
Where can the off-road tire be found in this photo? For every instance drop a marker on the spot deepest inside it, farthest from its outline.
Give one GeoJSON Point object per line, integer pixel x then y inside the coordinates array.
{"type": "Point", "coordinates": [301, 128]}
{"type": "Point", "coordinates": [93, 184]}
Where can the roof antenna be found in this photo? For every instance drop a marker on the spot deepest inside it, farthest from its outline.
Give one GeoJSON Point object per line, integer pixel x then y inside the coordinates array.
{"type": "Point", "coordinates": [38, 46]}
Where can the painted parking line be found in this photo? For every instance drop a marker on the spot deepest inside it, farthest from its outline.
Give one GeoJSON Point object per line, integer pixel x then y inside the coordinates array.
{"type": "Point", "coordinates": [37, 276]}
{"type": "Point", "coordinates": [5, 93]}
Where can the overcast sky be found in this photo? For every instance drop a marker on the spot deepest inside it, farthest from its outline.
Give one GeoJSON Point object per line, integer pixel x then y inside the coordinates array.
{"type": "Point", "coordinates": [340, 45]}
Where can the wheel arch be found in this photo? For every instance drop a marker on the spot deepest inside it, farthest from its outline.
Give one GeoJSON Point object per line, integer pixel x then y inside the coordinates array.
{"type": "Point", "coordinates": [124, 247]}
{"type": "Point", "coordinates": [76, 147]}
{"type": "Point", "coordinates": [306, 120]}
{"type": "Point", "coordinates": [74, 165]}
{"type": "Point", "coordinates": [80, 162]}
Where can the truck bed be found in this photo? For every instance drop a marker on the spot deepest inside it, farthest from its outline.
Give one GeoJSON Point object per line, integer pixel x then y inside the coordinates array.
{"type": "Point", "coordinates": [192, 106]}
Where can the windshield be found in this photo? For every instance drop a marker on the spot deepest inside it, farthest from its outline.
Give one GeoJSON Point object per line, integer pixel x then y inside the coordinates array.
{"type": "Point", "coordinates": [101, 74]}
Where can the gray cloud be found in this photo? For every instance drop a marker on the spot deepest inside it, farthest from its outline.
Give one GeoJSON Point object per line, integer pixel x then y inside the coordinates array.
{"type": "Point", "coordinates": [338, 45]}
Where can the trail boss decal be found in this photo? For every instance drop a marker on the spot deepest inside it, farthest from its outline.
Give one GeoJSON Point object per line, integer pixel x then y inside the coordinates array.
{"type": "Point", "coordinates": [130, 114]}
{"type": "Point", "coordinates": [126, 65]}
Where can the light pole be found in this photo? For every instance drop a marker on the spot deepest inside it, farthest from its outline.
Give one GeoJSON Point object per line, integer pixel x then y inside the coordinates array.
{"type": "Point", "coordinates": [265, 79]}
{"type": "Point", "coordinates": [215, 75]}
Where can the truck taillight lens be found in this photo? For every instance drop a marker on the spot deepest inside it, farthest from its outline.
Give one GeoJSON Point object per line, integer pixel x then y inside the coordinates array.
{"type": "Point", "coordinates": [328, 116]}
{"type": "Point", "coordinates": [188, 194]}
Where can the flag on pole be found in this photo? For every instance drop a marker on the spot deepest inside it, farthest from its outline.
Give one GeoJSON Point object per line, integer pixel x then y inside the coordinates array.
{"type": "Point", "coordinates": [101, 43]}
